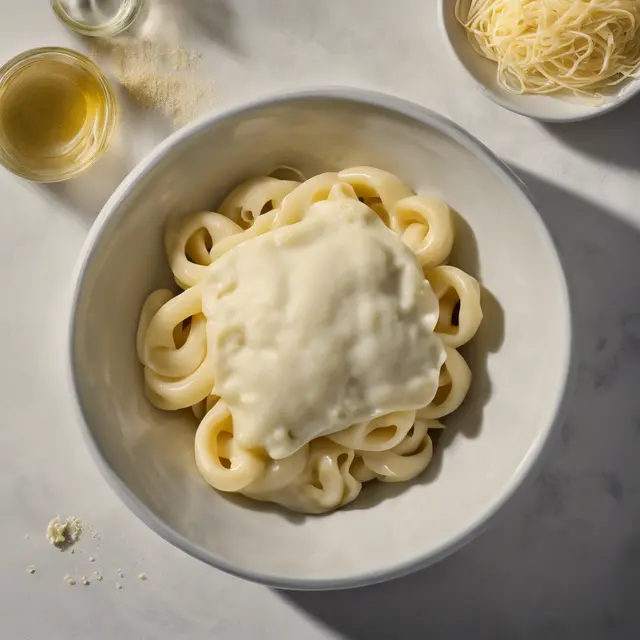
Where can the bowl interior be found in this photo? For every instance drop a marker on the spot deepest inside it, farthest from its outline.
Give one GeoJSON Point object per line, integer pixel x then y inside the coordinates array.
{"type": "Point", "coordinates": [519, 357]}
{"type": "Point", "coordinates": [540, 107]}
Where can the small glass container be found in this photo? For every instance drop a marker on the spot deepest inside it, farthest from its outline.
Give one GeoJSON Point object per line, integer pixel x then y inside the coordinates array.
{"type": "Point", "coordinates": [102, 18]}
{"type": "Point", "coordinates": [57, 114]}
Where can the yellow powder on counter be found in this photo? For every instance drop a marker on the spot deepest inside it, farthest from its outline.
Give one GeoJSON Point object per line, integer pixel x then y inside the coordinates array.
{"type": "Point", "coordinates": [158, 76]}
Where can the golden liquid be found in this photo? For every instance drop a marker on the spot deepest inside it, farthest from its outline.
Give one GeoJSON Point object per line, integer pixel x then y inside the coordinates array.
{"type": "Point", "coordinates": [49, 111]}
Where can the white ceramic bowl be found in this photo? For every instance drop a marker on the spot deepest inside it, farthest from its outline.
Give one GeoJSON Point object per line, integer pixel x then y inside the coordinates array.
{"type": "Point", "coordinates": [546, 108]}
{"type": "Point", "coordinates": [520, 357]}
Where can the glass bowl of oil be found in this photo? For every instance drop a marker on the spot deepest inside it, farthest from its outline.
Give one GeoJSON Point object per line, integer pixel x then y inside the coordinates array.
{"type": "Point", "coordinates": [57, 114]}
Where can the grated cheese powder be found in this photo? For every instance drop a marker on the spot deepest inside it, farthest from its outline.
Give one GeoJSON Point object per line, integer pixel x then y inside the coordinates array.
{"type": "Point", "coordinates": [158, 76]}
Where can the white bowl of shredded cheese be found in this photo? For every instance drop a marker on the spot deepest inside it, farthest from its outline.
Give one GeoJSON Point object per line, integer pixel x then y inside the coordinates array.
{"type": "Point", "coordinates": [555, 62]}
{"type": "Point", "coordinates": [157, 457]}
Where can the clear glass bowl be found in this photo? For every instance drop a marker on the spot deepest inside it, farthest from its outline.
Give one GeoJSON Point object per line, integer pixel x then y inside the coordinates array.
{"type": "Point", "coordinates": [102, 18]}
{"type": "Point", "coordinates": [52, 73]}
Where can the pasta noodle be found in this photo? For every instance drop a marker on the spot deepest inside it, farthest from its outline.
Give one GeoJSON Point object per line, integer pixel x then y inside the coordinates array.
{"type": "Point", "coordinates": [456, 291]}
{"type": "Point", "coordinates": [178, 342]}
{"type": "Point", "coordinates": [544, 46]}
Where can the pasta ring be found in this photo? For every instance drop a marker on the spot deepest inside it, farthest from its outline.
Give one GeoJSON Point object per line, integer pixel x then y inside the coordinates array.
{"type": "Point", "coordinates": [414, 439]}
{"type": "Point", "coordinates": [247, 201]}
{"type": "Point", "coordinates": [180, 243]}
{"type": "Point", "coordinates": [455, 380]}
{"type": "Point", "coordinates": [360, 471]}
{"type": "Point", "coordinates": [393, 466]}
{"type": "Point", "coordinates": [171, 393]}
{"type": "Point", "coordinates": [425, 226]}
{"type": "Point", "coordinates": [151, 306]}
{"type": "Point", "coordinates": [373, 185]}
{"type": "Point", "coordinates": [451, 285]}
{"type": "Point", "coordinates": [263, 224]}
{"type": "Point", "coordinates": [160, 352]}
{"type": "Point", "coordinates": [279, 474]}
{"type": "Point", "coordinates": [212, 451]}
{"type": "Point", "coordinates": [380, 434]}
{"type": "Point", "coordinates": [328, 482]}
{"type": "Point", "coordinates": [295, 205]}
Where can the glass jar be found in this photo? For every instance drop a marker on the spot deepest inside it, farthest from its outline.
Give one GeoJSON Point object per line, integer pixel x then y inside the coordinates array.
{"type": "Point", "coordinates": [57, 114]}
{"type": "Point", "coordinates": [102, 18]}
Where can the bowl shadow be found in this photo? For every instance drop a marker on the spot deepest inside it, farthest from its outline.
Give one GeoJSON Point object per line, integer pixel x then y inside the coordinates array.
{"type": "Point", "coordinates": [613, 137]}
{"type": "Point", "coordinates": [562, 557]}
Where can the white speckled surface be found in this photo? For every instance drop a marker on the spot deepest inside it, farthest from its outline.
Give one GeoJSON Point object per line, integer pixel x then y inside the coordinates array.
{"type": "Point", "coordinates": [563, 560]}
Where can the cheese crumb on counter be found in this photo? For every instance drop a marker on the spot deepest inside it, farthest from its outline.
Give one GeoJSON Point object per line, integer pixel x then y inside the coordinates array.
{"type": "Point", "coordinates": [64, 533]}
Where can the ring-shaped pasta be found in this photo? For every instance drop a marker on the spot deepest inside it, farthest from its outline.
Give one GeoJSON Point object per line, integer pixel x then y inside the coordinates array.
{"type": "Point", "coordinates": [222, 462]}
{"type": "Point", "coordinates": [198, 247]}
{"type": "Point", "coordinates": [425, 226]}
{"type": "Point", "coordinates": [455, 288]}
{"type": "Point", "coordinates": [379, 434]}
{"type": "Point", "coordinates": [379, 189]}
{"type": "Point", "coordinates": [414, 438]}
{"type": "Point", "coordinates": [183, 243]}
{"type": "Point", "coordinates": [396, 466]}
{"type": "Point", "coordinates": [254, 197]}
{"type": "Point", "coordinates": [160, 352]}
{"type": "Point", "coordinates": [151, 306]}
{"type": "Point", "coordinates": [171, 393]}
{"type": "Point", "coordinates": [327, 483]}
{"type": "Point", "coordinates": [455, 380]}
{"type": "Point", "coordinates": [295, 205]}
{"type": "Point", "coordinates": [279, 474]}
{"type": "Point", "coordinates": [342, 191]}
{"type": "Point", "coordinates": [360, 471]}
{"type": "Point", "coordinates": [262, 225]}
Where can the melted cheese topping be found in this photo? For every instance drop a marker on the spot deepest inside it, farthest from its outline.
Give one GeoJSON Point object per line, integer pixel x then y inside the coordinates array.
{"type": "Point", "coordinates": [318, 326]}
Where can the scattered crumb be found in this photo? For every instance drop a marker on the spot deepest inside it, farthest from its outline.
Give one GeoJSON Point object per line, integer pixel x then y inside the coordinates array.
{"type": "Point", "coordinates": [92, 559]}
{"type": "Point", "coordinates": [98, 576]}
{"type": "Point", "coordinates": [73, 551]}
{"type": "Point", "coordinates": [63, 534]}
{"type": "Point", "coordinates": [69, 579]}
{"type": "Point", "coordinates": [85, 581]}
{"type": "Point", "coordinates": [118, 586]}
{"type": "Point", "coordinates": [31, 569]}
{"type": "Point", "coordinates": [120, 573]}
{"type": "Point", "coordinates": [142, 576]}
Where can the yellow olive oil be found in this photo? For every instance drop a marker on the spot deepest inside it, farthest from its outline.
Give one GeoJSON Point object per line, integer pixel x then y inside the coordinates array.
{"type": "Point", "coordinates": [52, 112]}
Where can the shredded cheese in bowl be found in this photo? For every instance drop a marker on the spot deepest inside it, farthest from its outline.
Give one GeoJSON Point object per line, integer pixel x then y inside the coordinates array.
{"type": "Point", "coordinates": [585, 47]}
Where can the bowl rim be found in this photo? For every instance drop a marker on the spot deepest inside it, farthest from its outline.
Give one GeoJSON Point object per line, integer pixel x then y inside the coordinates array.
{"type": "Point", "coordinates": [632, 90]}
{"type": "Point", "coordinates": [112, 211]}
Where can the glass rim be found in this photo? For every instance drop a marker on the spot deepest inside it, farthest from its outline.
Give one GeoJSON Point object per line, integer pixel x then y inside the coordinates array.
{"type": "Point", "coordinates": [123, 19]}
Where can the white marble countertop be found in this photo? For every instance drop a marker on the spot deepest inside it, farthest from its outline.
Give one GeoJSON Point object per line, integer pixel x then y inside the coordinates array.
{"type": "Point", "coordinates": [563, 560]}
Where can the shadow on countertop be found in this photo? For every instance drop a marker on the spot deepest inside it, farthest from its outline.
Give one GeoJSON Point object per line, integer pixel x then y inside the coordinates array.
{"type": "Point", "coordinates": [562, 560]}
{"type": "Point", "coordinates": [212, 20]}
{"type": "Point", "coordinates": [613, 137]}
